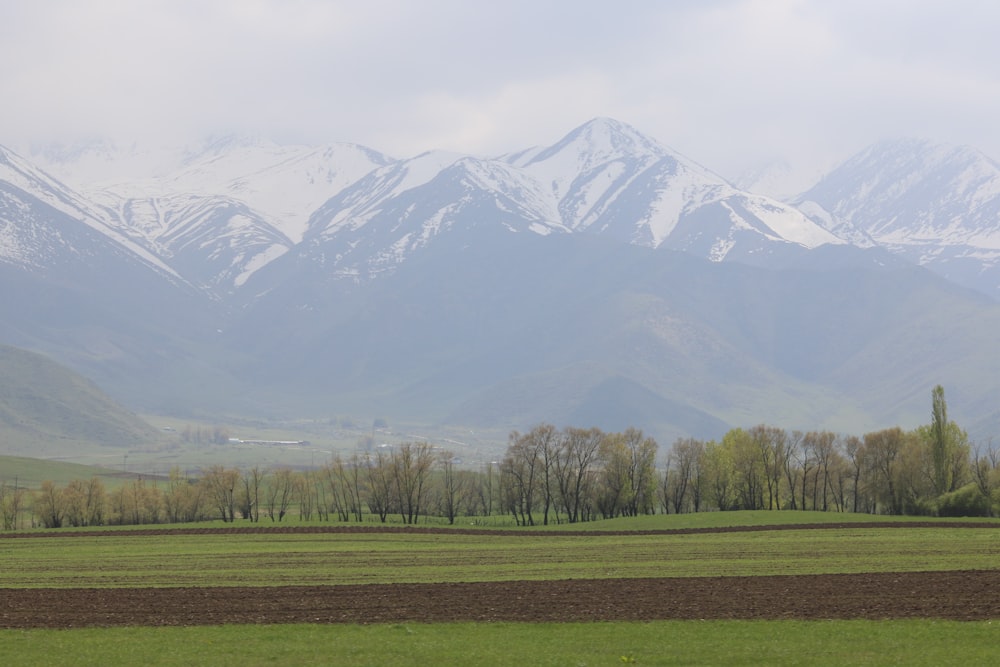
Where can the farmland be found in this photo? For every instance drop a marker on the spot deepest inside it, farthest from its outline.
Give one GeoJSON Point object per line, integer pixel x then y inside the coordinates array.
{"type": "Point", "coordinates": [895, 582]}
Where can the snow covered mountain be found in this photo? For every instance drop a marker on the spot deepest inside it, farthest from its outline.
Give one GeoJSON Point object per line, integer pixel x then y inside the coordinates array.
{"type": "Point", "coordinates": [45, 224]}
{"type": "Point", "coordinates": [236, 204]}
{"type": "Point", "coordinates": [609, 179]}
{"type": "Point", "coordinates": [603, 277]}
{"type": "Point", "coordinates": [603, 179]}
{"type": "Point", "coordinates": [217, 214]}
{"type": "Point", "coordinates": [284, 184]}
{"type": "Point", "coordinates": [936, 205]}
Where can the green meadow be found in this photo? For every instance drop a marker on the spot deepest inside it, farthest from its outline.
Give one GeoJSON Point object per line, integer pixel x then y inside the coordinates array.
{"type": "Point", "coordinates": [129, 559]}
{"type": "Point", "coordinates": [834, 643]}
{"type": "Point", "coordinates": [262, 559]}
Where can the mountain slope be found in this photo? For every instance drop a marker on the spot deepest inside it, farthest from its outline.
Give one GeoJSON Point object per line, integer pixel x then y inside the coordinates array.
{"type": "Point", "coordinates": [79, 291]}
{"type": "Point", "coordinates": [576, 331]}
{"type": "Point", "coordinates": [935, 205]}
{"type": "Point", "coordinates": [45, 407]}
{"type": "Point", "coordinates": [215, 242]}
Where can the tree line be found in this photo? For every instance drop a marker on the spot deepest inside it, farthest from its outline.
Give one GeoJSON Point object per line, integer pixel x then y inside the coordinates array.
{"type": "Point", "coordinates": [549, 475]}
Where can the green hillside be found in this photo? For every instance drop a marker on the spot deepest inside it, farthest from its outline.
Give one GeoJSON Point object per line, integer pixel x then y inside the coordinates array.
{"type": "Point", "coordinates": [47, 409]}
{"type": "Point", "coordinates": [30, 473]}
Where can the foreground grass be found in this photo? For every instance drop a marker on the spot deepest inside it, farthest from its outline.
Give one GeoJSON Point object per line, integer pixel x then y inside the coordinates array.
{"type": "Point", "coordinates": [271, 559]}
{"type": "Point", "coordinates": [910, 642]}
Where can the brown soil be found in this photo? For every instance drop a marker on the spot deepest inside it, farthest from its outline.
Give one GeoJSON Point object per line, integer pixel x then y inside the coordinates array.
{"type": "Point", "coordinates": [962, 595]}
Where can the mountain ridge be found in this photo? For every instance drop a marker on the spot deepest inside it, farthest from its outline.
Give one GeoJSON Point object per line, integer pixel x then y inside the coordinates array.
{"type": "Point", "coordinates": [603, 275]}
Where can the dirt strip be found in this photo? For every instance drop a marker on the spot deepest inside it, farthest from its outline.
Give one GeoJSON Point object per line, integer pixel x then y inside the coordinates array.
{"type": "Point", "coordinates": [353, 529]}
{"type": "Point", "coordinates": [960, 595]}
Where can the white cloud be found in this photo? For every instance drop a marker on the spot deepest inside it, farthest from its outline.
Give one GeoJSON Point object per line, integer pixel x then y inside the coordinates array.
{"type": "Point", "coordinates": [728, 82]}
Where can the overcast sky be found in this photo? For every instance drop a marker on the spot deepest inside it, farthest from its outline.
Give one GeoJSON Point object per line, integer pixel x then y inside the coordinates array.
{"type": "Point", "coordinates": [728, 83]}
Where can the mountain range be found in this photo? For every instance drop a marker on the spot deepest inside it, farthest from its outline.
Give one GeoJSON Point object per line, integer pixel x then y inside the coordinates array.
{"type": "Point", "coordinates": [603, 280]}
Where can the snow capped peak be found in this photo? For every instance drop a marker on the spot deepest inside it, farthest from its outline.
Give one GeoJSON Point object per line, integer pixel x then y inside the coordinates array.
{"type": "Point", "coordinates": [597, 141]}
{"type": "Point", "coordinates": [606, 136]}
{"type": "Point", "coordinates": [935, 204]}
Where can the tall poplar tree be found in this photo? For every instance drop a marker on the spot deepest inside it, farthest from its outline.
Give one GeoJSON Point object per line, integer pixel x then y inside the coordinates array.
{"type": "Point", "coordinates": [941, 446]}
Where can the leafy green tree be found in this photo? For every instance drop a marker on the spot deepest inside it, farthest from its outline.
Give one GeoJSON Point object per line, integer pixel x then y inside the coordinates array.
{"type": "Point", "coordinates": [884, 449]}
{"type": "Point", "coordinates": [941, 444]}
{"type": "Point", "coordinates": [719, 474]}
{"type": "Point", "coordinates": [986, 475]}
{"type": "Point", "coordinates": [748, 469]}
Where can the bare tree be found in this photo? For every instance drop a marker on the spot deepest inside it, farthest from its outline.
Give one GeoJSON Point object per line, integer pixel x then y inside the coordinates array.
{"type": "Point", "coordinates": [220, 484]}
{"type": "Point", "coordinates": [683, 474]}
{"type": "Point", "coordinates": [251, 481]}
{"type": "Point", "coordinates": [346, 486]}
{"type": "Point", "coordinates": [452, 486]}
{"type": "Point", "coordinates": [411, 465]}
{"type": "Point", "coordinates": [579, 454]}
{"type": "Point", "coordinates": [520, 478]}
{"type": "Point", "coordinates": [12, 499]}
{"type": "Point", "coordinates": [538, 451]}
{"type": "Point", "coordinates": [279, 493]}
{"type": "Point", "coordinates": [822, 445]}
{"type": "Point", "coordinates": [379, 484]}
{"type": "Point", "coordinates": [855, 451]}
{"type": "Point", "coordinates": [48, 505]}
{"type": "Point", "coordinates": [793, 446]}
{"type": "Point", "coordinates": [305, 492]}
{"type": "Point", "coordinates": [770, 443]}
{"type": "Point", "coordinates": [485, 489]}
{"type": "Point", "coordinates": [84, 502]}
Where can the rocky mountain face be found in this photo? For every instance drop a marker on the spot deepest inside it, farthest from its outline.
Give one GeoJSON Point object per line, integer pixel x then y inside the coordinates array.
{"type": "Point", "coordinates": [603, 280]}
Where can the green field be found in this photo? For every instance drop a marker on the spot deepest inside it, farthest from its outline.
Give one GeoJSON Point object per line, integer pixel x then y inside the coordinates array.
{"type": "Point", "coordinates": [331, 559]}
{"type": "Point", "coordinates": [835, 643]}
{"type": "Point", "coordinates": [235, 558]}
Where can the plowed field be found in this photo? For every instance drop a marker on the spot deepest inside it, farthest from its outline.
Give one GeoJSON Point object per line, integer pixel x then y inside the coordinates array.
{"type": "Point", "coordinates": [946, 595]}
{"type": "Point", "coordinates": [959, 595]}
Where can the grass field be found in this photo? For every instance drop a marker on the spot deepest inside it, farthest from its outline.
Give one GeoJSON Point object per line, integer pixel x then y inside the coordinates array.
{"type": "Point", "coordinates": [241, 559]}
{"type": "Point", "coordinates": [325, 559]}
{"type": "Point", "coordinates": [836, 643]}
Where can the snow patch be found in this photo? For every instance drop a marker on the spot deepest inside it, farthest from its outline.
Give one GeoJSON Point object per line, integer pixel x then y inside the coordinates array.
{"type": "Point", "coordinates": [257, 262]}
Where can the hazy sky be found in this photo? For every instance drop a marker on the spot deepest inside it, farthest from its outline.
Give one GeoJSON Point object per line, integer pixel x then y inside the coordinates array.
{"type": "Point", "coordinates": [729, 83]}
